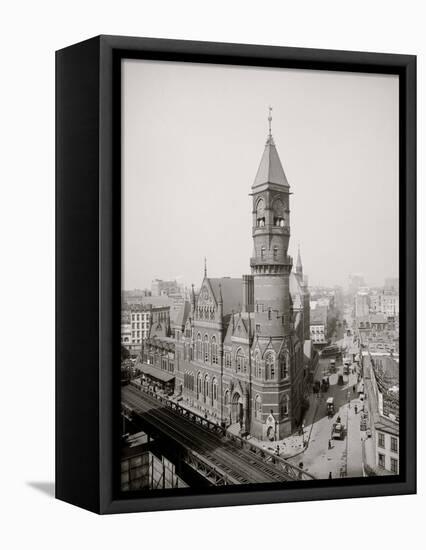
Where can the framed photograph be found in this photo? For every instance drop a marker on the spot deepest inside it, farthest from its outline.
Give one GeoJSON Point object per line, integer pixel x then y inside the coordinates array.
{"type": "Point", "coordinates": [236, 292]}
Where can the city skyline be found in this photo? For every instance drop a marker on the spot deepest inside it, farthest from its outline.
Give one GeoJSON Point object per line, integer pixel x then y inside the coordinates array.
{"type": "Point", "coordinates": [186, 182]}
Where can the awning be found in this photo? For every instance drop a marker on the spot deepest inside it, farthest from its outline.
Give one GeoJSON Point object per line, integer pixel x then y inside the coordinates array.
{"type": "Point", "coordinates": [158, 374]}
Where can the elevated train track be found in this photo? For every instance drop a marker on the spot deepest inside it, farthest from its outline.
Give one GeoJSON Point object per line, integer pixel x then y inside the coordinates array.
{"type": "Point", "coordinates": [205, 446]}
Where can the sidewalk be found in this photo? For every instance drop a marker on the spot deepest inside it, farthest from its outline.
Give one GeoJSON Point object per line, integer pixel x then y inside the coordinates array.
{"type": "Point", "coordinates": [294, 444]}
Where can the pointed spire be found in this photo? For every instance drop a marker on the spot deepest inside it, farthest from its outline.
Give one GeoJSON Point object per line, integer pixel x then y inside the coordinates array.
{"type": "Point", "coordinates": [299, 259]}
{"type": "Point", "coordinates": [270, 168]}
{"type": "Point", "coordinates": [270, 121]}
{"type": "Point", "coordinates": [192, 298]}
{"type": "Point", "coordinates": [205, 266]}
{"type": "Point", "coordinates": [220, 294]}
{"type": "Point", "coordinates": [299, 266]}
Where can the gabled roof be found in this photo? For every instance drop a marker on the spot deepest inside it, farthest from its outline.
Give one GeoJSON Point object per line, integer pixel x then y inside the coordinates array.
{"type": "Point", "coordinates": [159, 329]}
{"type": "Point", "coordinates": [182, 314]}
{"type": "Point", "coordinates": [232, 293]}
{"type": "Point", "coordinates": [270, 169]}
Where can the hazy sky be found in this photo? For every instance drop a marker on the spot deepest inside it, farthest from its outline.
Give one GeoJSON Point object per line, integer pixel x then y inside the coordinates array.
{"type": "Point", "coordinates": [193, 136]}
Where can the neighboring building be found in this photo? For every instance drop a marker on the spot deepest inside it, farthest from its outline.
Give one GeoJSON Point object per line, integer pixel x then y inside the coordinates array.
{"type": "Point", "coordinates": [381, 383]}
{"type": "Point", "coordinates": [386, 302]}
{"type": "Point", "coordinates": [164, 288]}
{"type": "Point", "coordinates": [318, 326]}
{"type": "Point", "coordinates": [141, 318]}
{"type": "Point", "coordinates": [134, 296]}
{"type": "Point", "coordinates": [392, 284]}
{"type": "Point", "coordinates": [361, 304]}
{"type": "Point", "coordinates": [238, 356]}
{"type": "Point", "coordinates": [372, 323]}
{"type": "Point", "coordinates": [141, 469]}
{"type": "Point", "coordinates": [126, 335]}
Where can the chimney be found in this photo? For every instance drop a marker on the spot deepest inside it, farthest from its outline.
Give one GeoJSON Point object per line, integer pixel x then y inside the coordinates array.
{"type": "Point", "coordinates": [248, 293]}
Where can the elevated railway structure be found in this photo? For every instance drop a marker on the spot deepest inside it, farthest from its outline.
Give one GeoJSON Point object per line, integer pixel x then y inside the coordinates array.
{"type": "Point", "coordinates": [215, 454]}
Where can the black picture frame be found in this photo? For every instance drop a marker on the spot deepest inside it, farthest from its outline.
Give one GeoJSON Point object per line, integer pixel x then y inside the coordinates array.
{"type": "Point", "coordinates": [88, 252]}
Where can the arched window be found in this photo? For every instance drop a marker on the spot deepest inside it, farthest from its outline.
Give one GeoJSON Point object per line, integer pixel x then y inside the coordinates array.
{"type": "Point", "coordinates": [206, 387]}
{"type": "Point", "coordinates": [199, 385]}
{"type": "Point", "coordinates": [199, 346]}
{"type": "Point", "coordinates": [269, 366]}
{"type": "Point", "coordinates": [258, 407]}
{"type": "Point", "coordinates": [226, 398]}
{"type": "Point", "coordinates": [275, 252]}
{"type": "Point", "coordinates": [206, 348]}
{"type": "Point", "coordinates": [260, 213]}
{"type": "Point", "coordinates": [240, 360]}
{"type": "Point", "coordinates": [262, 253]}
{"type": "Point", "coordinates": [283, 367]}
{"type": "Point", "coordinates": [284, 406]}
{"type": "Point", "coordinates": [257, 371]}
{"type": "Point", "coordinates": [214, 350]}
{"type": "Point", "coordinates": [214, 390]}
{"type": "Point", "coordinates": [278, 208]}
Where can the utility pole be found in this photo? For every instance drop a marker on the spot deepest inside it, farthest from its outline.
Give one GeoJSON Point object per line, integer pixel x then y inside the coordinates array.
{"type": "Point", "coordinates": [347, 431]}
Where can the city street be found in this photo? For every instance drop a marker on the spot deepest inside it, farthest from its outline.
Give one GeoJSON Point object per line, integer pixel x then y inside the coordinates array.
{"type": "Point", "coordinates": [344, 458]}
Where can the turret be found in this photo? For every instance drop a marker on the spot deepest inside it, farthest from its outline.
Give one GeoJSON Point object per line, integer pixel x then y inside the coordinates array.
{"type": "Point", "coordinates": [270, 263]}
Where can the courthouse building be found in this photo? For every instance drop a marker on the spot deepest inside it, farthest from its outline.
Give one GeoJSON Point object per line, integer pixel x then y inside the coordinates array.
{"type": "Point", "coordinates": [238, 347]}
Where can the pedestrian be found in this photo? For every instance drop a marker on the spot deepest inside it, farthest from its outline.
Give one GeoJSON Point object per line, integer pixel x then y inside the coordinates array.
{"type": "Point", "coordinates": [329, 443]}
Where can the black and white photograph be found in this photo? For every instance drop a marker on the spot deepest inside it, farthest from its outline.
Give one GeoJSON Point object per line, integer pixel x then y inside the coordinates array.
{"type": "Point", "coordinates": [212, 276]}
{"type": "Point", "coordinates": [259, 275]}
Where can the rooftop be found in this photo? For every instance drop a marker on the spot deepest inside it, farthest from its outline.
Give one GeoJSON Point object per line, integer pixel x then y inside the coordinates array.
{"type": "Point", "coordinates": [319, 316]}
{"type": "Point", "coordinates": [231, 290]}
{"type": "Point", "coordinates": [270, 168]}
{"type": "Point", "coordinates": [157, 373]}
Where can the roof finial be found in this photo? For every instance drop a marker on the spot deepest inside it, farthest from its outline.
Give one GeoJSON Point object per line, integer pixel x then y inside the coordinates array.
{"type": "Point", "coordinates": [205, 266]}
{"type": "Point", "coordinates": [270, 120]}
{"type": "Point", "coordinates": [299, 267]}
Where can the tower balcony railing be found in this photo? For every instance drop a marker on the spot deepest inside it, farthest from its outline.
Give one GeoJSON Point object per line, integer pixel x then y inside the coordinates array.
{"type": "Point", "coordinates": [271, 228]}
{"type": "Point", "coordinates": [270, 261]}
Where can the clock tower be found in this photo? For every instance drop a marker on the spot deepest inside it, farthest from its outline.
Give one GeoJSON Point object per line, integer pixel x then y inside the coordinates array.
{"type": "Point", "coordinates": [271, 266]}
